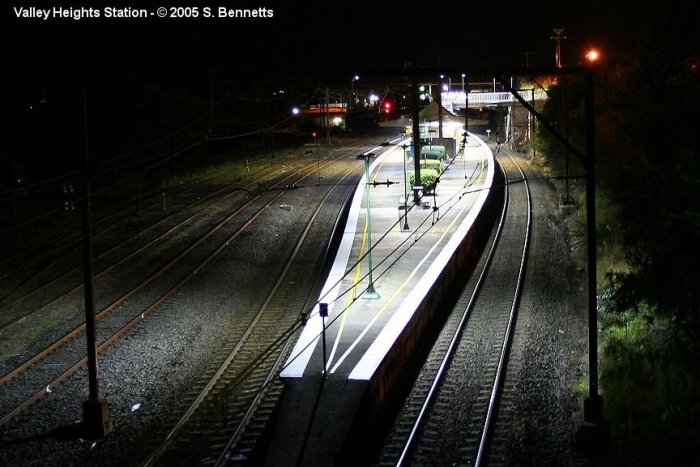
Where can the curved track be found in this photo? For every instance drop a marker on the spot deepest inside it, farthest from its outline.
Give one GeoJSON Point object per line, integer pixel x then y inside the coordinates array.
{"type": "Point", "coordinates": [450, 412]}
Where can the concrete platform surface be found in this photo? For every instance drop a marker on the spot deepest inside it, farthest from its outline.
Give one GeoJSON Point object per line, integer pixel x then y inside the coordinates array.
{"type": "Point", "coordinates": [364, 335]}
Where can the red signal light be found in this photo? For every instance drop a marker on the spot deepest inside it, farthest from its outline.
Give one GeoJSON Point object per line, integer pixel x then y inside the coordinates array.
{"type": "Point", "coordinates": [387, 107]}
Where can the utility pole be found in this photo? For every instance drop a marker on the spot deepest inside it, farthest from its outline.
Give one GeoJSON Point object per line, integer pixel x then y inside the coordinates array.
{"type": "Point", "coordinates": [466, 109]}
{"type": "Point", "coordinates": [532, 124]}
{"type": "Point", "coordinates": [415, 97]}
{"type": "Point", "coordinates": [565, 121]}
{"type": "Point", "coordinates": [593, 405]}
{"type": "Point", "coordinates": [328, 116]}
{"type": "Point", "coordinates": [557, 39]}
{"type": "Point", "coordinates": [96, 422]}
{"type": "Point", "coordinates": [438, 100]}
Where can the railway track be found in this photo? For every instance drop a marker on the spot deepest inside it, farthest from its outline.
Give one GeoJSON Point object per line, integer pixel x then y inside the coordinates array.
{"type": "Point", "coordinates": [59, 360]}
{"type": "Point", "coordinates": [199, 198]}
{"type": "Point", "coordinates": [449, 415]}
{"type": "Point", "coordinates": [229, 412]}
{"type": "Point", "coordinates": [49, 257]}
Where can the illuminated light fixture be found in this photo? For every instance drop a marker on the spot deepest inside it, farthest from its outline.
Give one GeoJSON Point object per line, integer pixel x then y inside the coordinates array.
{"type": "Point", "coordinates": [295, 110]}
{"type": "Point", "coordinates": [373, 98]}
{"type": "Point", "coordinates": [445, 88]}
{"type": "Point", "coordinates": [337, 121]}
{"type": "Point", "coordinates": [593, 55]}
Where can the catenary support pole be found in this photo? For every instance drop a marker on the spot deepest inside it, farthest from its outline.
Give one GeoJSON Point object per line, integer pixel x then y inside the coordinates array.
{"type": "Point", "coordinates": [96, 420]}
{"type": "Point", "coordinates": [593, 405]}
{"type": "Point", "coordinates": [415, 97]}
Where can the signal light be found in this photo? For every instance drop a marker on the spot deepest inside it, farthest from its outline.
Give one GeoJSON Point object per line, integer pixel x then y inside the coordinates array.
{"type": "Point", "coordinates": [387, 107]}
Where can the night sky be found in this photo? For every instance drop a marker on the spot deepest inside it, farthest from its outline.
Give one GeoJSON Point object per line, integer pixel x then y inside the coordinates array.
{"type": "Point", "coordinates": [312, 36]}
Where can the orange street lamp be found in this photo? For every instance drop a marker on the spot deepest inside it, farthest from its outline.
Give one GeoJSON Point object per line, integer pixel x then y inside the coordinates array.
{"type": "Point", "coordinates": [593, 55]}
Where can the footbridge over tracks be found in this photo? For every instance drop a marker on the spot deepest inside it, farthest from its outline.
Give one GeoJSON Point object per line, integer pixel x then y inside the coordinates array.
{"type": "Point", "coordinates": [453, 100]}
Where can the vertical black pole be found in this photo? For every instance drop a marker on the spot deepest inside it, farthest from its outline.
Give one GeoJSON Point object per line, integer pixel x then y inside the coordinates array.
{"type": "Point", "coordinates": [567, 195]}
{"type": "Point", "coordinates": [438, 100]}
{"type": "Point", "coordinates": [323, 313]}
{"type": "Point", "coordinates": [322, 112]}
{"type": "Point", "coordinates": [533, 123]}
{"type": "Point", "coordinates": [466, 126]}
{"type": "Point", "coordinates": [328, 116]}
{"type": "Point", "coordinates": [416, 137]}
{"type": "Point", "coordinates": [592, 406]}
{"type": "Point", "coordinates": [95, 412]}
{"type": "Point", "coordinates": [466, 108]}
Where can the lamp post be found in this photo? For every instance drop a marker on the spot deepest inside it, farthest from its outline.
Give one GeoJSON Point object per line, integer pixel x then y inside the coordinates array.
{"type": "Point", "coordinates": [352, 90]}
{"type": "Point", "coordinates": [464, 153]}
{"type": "Point", "coordinates": [405, 227]}
{"type": "Point", "coordinates": [449, 81]}
{"type": "Point", "coordinates": [370, 293]}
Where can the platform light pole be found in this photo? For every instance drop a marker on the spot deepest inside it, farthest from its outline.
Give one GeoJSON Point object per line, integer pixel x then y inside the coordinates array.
{"type": "Point", "coordinates": [405, 227]}
{"type": "Point", "coordinates": [370, 293]}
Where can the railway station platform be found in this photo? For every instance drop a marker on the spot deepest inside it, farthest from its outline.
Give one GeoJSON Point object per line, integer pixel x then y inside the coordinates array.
{"type": "Point", "coordinates": [367, 339]}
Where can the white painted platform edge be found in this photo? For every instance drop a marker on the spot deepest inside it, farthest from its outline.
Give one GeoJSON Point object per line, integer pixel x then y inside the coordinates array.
{"type": "Point", "coordinates": [388, 336]}
{"type": "Point", "coordinates": [303, 349]}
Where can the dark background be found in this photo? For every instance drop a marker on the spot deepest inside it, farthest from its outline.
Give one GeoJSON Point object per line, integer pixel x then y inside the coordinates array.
{"type": "Point", "coordinates": [317, 37]}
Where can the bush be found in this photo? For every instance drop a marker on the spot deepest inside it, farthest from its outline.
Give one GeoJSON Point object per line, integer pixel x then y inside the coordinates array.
{"type": "Point", "coordinates": [430, 164]}
{"type": "Point", "coordinates": [428, 177]}
{"type": "Point", "coordinates": [650, 389]}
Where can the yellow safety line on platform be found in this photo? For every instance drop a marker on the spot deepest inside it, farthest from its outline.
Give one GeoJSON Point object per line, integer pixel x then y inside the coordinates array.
{"type": "Point", "coordinates": [397, 291]}
{"type": "Point", "coordinates": [355, 281]}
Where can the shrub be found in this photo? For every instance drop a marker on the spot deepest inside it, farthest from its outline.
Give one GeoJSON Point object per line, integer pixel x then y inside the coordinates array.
{"type": "Point", "coordinates": [429, 164]}
{"type": "Point", "coordinates": [650, 388]}
{"type": "Point", "coordinates": [429, 179]}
